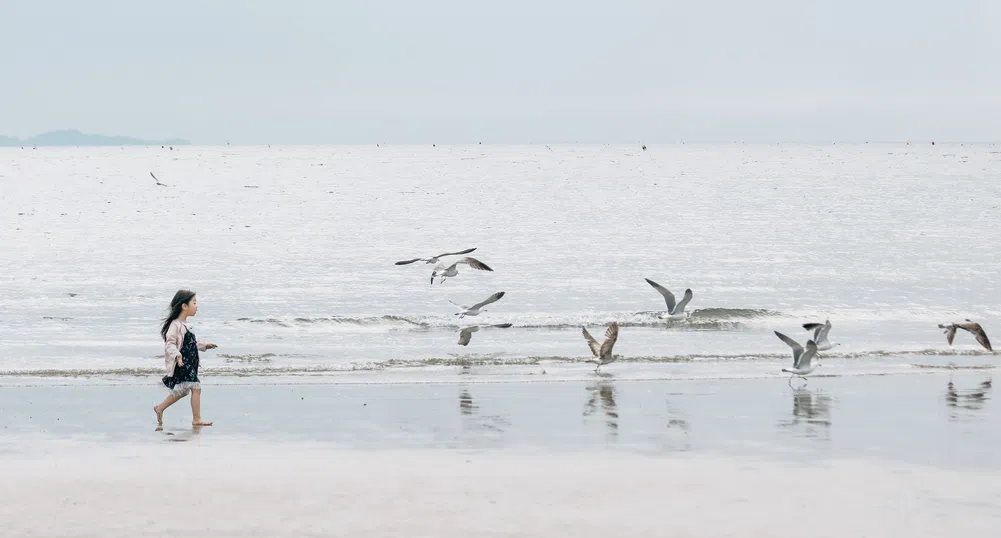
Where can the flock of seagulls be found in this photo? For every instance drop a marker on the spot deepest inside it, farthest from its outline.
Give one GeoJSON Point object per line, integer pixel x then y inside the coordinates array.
{"type": "Point", "coordinates": [803, 357]}
{"type": "Point", "coordinates": [442, 271]}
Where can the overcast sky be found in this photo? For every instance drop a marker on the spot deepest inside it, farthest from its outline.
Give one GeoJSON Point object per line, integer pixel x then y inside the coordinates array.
{"type": "Point", "coordinates": [340, 71]}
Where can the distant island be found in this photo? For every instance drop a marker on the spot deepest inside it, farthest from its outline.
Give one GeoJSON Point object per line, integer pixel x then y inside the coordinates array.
{"type": "Point", "coordinates": [72, 137]}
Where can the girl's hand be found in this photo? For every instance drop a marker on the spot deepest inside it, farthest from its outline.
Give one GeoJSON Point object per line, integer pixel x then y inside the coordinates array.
{"type": "Point", "coordinates": [180, 362]}
{"type": "Point", "coordinates": [210, 346]}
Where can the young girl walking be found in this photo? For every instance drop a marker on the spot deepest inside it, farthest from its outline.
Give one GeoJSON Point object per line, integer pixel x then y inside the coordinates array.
{"type": "Point", "coordinates": [181, 355]}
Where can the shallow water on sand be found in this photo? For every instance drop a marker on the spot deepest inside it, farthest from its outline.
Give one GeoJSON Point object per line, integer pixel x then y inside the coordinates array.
{"type": "Point", "coordinates": [941, 420]}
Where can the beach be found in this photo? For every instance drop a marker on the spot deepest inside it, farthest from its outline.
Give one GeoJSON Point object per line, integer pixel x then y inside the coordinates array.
{"type": "Point", "coordinates": [343, 404]}
{"type": "Point", "coordinates": [873, 456]}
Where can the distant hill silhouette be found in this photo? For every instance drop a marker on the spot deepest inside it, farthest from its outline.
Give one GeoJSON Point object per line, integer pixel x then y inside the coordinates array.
{"type": "Point", "coordinates": [72, 137]}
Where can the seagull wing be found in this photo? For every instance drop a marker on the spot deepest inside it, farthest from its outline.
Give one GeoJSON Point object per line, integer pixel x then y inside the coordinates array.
{"type": "Point", "coordinates": [978, 332]}
{"type": "Point", "coordinates": [492, 299]}
{"type": "Point", "coordinates": [502, 325]}
{"type": "Point", "coordinates": [404, 262]}
{"type": "Point", "coordinates": [466, 334]}
{"type": "Point", "coordinates": [822, 332]}
{"type": "Point", "coordinates": [684, 301]}
{"type": "Point", "coordinates": [950, 332]}
{"type": "Point", "coordinates": [668, 296]}
{"type": "Point", "coordinates": [797, 349]}
{"type": "Point", "coordinates": [815, 327]}
{"type": "Point", "coordinates": [474, 263]}
{"type": "Point", "coordinates": [591, 342]}
{"type": "Point", "coordinates": [158, 181]}
{"type": "Point", "coordinates": [804, 359]}
{"type": "Point", "coordinates": [984, 341]}
{"type": "Point", "coordinates": [467, 251]}
{"type": "Point", "coordinates": [611, 335]}
{"type": "Point", "coordinates": [459, 306]}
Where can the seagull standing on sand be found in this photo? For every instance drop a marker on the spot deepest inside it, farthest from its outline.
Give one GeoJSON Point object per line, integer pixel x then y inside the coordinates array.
{"type": "Point", "coordinates": [800, 359]}
{"type": "Point", "coordinates": [442, 271]}
{"type": "Point", "coordinates": [434, 259]}
{"type": "Point", "coordinates": [467, 333]}
{"type": "Point", "coordinates": [971, 327]}
{"type": "Point", "coordinates": [820, 331]}
{"type": "Point", "coordinates": [603, 352]}
{"type": "Point", "coordinates": [158, 181]}
{"type": "Point", "coordinates": [674, 310]}
{"type": "Point", "coordinates": [477, 308]}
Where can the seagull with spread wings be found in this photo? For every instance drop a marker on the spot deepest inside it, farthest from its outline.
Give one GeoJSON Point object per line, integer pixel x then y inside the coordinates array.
{"type": "Point", "coordinates": [675, 310]}
{"type": "Point", "coordinates": [443, 271]}
{"type": "Point", "coordinates": [972, 327]}
{"type": "Point", "coordinates": [478, 307]}
{"type": "Point", "coordinates": [800, 358]}
{"type": "Point", "coordinates": [603, 351]}
{"type": "Point", "coordinates": [820, 331]}
{"type": "Point", "coordinates": [158, 181]}
{"type": "Point", "coordinates": [434, 259]}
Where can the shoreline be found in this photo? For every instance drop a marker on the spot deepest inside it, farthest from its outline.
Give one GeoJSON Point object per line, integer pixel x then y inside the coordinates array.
{"type": "Point", "coordinates": [945, 419]}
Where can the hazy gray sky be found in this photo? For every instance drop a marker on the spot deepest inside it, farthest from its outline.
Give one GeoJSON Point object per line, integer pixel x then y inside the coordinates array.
{"type": "Point", "coordinates": [332, 71]}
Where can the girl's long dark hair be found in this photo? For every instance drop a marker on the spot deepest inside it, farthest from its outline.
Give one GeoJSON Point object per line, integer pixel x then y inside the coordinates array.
{"type": "Point", "coordinates": [181, 298]}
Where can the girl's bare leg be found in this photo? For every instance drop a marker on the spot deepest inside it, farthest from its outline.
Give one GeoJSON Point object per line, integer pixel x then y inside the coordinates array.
{"type": "Point", "coordinates": [170, 400]}
{"type": "Point", "coordinates": [196, 409]}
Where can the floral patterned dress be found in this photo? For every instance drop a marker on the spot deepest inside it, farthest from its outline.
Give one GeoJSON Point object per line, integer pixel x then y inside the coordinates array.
{"type": "Point", "coordinates": [185, 377]}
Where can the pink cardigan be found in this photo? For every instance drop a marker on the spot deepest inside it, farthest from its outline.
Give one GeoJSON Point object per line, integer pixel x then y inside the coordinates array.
{"type": "Point", "coordinates": [175, 339]}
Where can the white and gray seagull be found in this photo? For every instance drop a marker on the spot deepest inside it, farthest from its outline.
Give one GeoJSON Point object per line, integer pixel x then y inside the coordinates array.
{"type": "Point", "coordinates": [674, 310]}
{"type": "Point", "coordinates": [603, 351]}
{"type": "Point", "coordinates": [443, 271]}
{"type": "Point", "coordinates": [478, 307]}
{"type": "Point", "coordinates": [466, 333]}
{"type": "Point", "coordinates": [820, 331]}
{"type": "Point", "coordinates": [434, 259]}
{"type": "Point", "coordinates": [800, 358]}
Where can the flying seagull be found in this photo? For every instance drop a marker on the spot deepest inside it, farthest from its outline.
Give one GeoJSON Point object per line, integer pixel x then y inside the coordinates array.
{"type": "Point", "coordinates": [467, 333]}
{"type": "Point", "coordinates": [674, 310]}
{"type": "Point", "coordinates": [800, 359]}
{"type": "Point", "coordinates": [603, 352]}
{"type": "Point", "coordinates": [434, 259]}
{"type": "Point", "coordinates": [158, 181]}
{"type": "Point", "coordinates": [820, 331]}
{"type": "Point", "coordinates": [970, 326]}
{"type": "Point", "coordinates": [442, 271]}
{"type": "Point", "coordinates": [476, 308]}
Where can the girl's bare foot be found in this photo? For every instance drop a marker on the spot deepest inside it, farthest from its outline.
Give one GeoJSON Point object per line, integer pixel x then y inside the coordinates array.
{"type": "Point", "coordinates": [200, 422]}
{"type": "Point", "coordinates": [159, 415]}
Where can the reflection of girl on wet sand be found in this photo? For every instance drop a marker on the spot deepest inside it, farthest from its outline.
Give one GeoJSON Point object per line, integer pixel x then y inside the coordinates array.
{"type": "Point", "coordinates": [181, 357]}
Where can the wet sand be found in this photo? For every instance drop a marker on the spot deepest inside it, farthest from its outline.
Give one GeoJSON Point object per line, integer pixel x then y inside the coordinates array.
{"type": "Point", "coordinates": [872, 456]}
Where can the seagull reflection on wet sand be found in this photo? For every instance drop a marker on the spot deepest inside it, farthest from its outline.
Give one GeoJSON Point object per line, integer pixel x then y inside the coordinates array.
{"type": "Point", "coordinates": [603, 395]}
{"type": "Point", "coordinates": [466, 406]}
{"type": "Point", "coordinates": [493, 423]}
{"type": "Point", "coordinates": [811, 409]}
{"type": "Point", "coordinates": [969, 399]}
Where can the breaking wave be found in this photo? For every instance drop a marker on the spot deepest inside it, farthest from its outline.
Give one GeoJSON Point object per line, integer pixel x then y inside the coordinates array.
{"type": "Point", "coordinates": [259, 365]}
{"type": "Point", "coordinates": [702, 319]}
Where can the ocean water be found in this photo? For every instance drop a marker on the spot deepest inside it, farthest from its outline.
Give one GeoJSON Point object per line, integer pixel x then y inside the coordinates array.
{"type": "Point", "coordinates": [291, 251]}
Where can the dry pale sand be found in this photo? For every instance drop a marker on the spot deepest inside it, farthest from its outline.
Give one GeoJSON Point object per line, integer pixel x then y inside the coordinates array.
{"type": "Point", "coordinates": [187, 489]}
